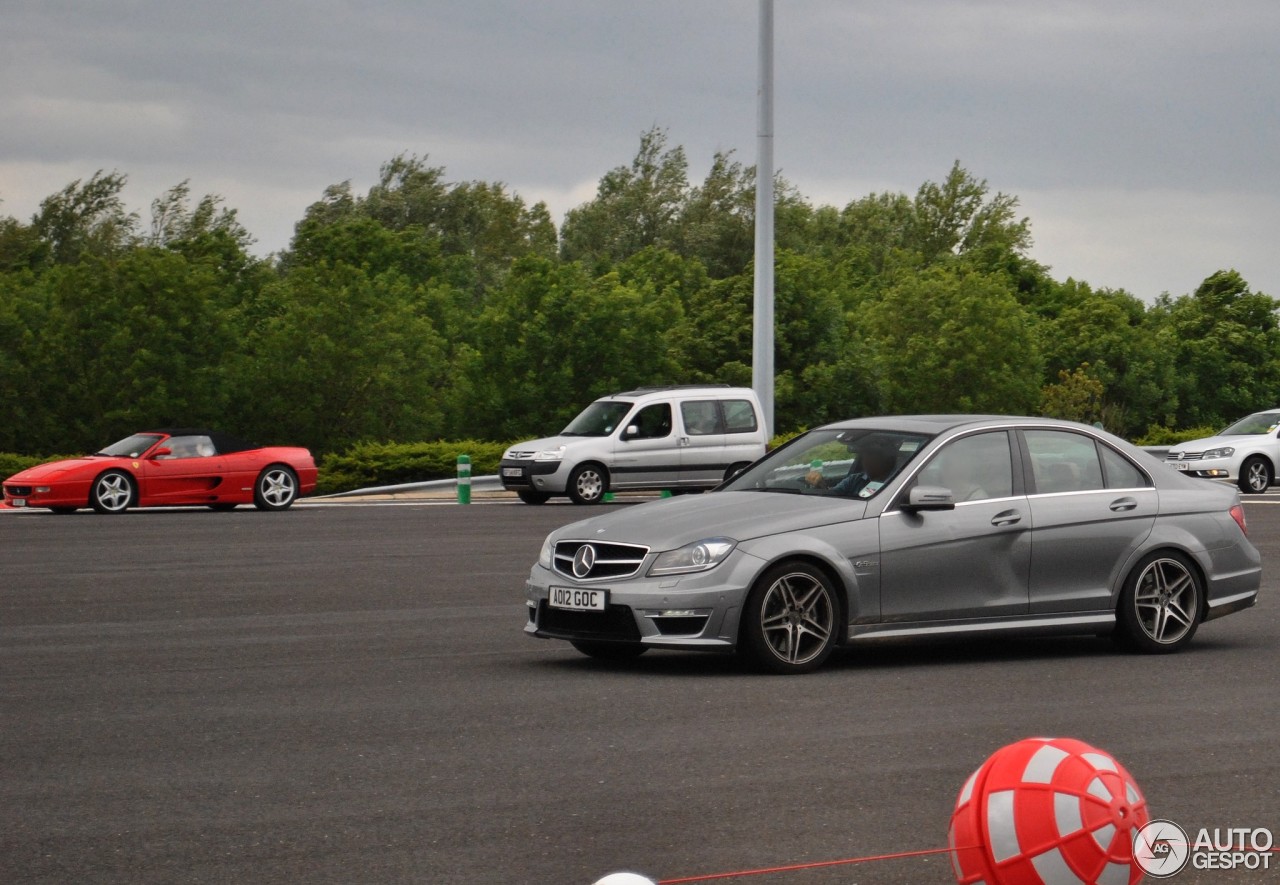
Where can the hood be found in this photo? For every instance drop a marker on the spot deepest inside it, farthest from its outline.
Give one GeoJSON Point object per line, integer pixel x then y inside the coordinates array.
{"type": "Point", "coordinates": [673, 522]}
{"type": "Point", "coordinates": [53, 469]}
{"type": "Point", "coordinates": [548, 442]}
{"type": "Point", "coordinates": [1212, 442]}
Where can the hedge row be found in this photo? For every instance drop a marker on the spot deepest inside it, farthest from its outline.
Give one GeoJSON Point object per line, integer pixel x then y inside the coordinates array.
{"type": "Point", "coordinates": [369, 464]}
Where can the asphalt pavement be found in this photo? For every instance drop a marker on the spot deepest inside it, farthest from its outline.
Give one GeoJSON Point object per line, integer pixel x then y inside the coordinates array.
{"type": "Point", "coordinates": [342, 693]}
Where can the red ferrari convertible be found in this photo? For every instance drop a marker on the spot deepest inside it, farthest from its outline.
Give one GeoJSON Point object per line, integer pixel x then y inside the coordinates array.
{"type": "Point", "coordinates": [165, 468]}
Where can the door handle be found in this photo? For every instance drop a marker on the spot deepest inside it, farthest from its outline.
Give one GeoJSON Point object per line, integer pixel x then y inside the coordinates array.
{"type": "Point", "coordinates": [1122, 504]}
{"type": "Point", "coordinates": [1006, 517]}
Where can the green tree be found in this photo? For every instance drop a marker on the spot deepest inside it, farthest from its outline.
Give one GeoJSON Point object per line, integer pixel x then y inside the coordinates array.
{"type": "Point", "coordinates": [1225, 347]}
{"type": "Point", "coordinates": [951, 339]}
{"type": "Point", "coordinates": [635, 206]}
{"type": "Point", "coordinates": [86, 218]}
{"type": "Point", "coordinates": [553, 338]}
{"type": "Point", "coordinates": [346, 355]}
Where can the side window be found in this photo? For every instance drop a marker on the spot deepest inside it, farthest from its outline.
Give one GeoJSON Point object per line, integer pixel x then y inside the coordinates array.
{"type": "Point", "coordinates": [189, 447]}
{"type": "Point", "coordinates": [974, 467]}
{"type": "Point", "coordinates": [1062, 461]}
{"type": "Point", "coordinates": [652, 422]}
{"type": "Point", "coordinates": [739, 416]}
{"type": "Point", "coordinates": [1120, 472]}
{"type": "Point", "coordinates": [701, 417]}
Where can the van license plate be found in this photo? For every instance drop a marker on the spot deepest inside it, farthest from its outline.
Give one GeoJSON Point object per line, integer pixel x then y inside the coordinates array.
{"type": "Point", "coordinates": [513, 471]}
{"type": "Point", "coordinates": [577, 600]}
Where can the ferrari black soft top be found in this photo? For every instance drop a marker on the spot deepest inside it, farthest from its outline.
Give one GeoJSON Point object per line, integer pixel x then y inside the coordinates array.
{"type": "Point", "coordinates": [225, 443]}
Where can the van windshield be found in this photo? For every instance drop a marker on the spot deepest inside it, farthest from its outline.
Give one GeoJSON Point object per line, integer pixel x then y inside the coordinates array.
{"type": "Point", "coordinates": [598, 419]}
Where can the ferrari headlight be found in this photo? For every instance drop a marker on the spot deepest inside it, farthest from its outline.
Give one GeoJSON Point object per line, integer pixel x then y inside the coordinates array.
{"type": "Point", "coordinates": [699, 556]}
{"type": "Point", "coordinates": [544, 555]}
{"type": "Point", "coordinates": [1224, 452]}
{"type": "Point", "coordinates": [555, 454]}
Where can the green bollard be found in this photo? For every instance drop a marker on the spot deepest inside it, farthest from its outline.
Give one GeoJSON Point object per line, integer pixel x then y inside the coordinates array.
{"type": "Point", "coordinates": [464, 479]}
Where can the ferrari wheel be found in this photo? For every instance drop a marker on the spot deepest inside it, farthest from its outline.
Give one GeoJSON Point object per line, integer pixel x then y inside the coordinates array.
{"type": "Point", "coordinates": [112, 492]}
{"type": "Point", "coordinates": [276, 488]}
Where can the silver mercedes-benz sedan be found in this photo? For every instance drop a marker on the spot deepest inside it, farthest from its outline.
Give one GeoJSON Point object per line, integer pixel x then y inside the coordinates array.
{"type": "Point", "coordinates": [905, 527]}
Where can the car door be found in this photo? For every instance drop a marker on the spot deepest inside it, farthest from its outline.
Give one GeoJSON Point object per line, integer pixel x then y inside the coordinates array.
{"type": "Point", "coordinates": [701, 442]}
{"type": "Point", "coordinates": [1090, 508]}
{"type": "Point", "coordinates": [188, 473]}
{"type": "Point", "coordinates": [646, 454]}
{"type": "Point", "coordinates": [970, 562]}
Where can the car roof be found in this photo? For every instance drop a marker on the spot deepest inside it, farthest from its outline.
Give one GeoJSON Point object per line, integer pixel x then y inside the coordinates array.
{"type": "Point", "coordinates": [935, 424]}
{"type": "Point", "coordinates": [708, 389]}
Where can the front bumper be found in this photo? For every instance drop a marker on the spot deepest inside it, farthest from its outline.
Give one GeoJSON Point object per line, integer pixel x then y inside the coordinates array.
{"type": "Point", "coordinates": [1210, 468]}
{"type": "Point", "coordinates": [694, 612]}
{"type": "Point", "coordinates": [526, 474]}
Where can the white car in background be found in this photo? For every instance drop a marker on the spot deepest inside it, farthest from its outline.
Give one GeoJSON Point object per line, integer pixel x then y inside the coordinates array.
{"type": "Point", "coordinates": [1246, 453]}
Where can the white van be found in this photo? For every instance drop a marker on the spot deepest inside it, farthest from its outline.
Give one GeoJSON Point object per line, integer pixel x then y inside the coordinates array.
{"type": "Point", "coordinates": [653, 438]}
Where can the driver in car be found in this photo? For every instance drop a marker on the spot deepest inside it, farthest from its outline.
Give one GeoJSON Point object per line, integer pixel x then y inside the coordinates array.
{"type": "Point", "coordinates": [877, 462]}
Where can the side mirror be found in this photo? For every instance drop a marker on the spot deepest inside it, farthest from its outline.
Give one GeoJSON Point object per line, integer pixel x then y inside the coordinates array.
{"type": "Point", "coordinates": [161, 452]}
{"type": "Point", "coordinates": [925, 498]}
{"type": "Point", "coordinates": [631, 432]}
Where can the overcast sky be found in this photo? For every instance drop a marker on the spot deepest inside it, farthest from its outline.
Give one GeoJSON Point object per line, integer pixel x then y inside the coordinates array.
{"type": "Point", "coordinates": [1139, 136]}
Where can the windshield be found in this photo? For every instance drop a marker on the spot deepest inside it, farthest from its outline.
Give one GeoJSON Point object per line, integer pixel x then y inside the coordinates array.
{"type": "Point", "coordinates": [1262, 422]}
{"type": "Point", "coordinates": [849, 463]}
{"type": "Point", "coordinates": [131, 446]}
{"type": "Point", "coordinates": [598, 419]}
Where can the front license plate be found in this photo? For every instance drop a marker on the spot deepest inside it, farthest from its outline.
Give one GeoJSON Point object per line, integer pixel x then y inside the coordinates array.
{"type": "Point", "coordinates": [19, 502]}
{"type": "Point", "coordinates": [1181, 465]}
{"type": "Point", "coordinates": [577, 600]}
{"type": "Point", "coordinates": [512, 471]}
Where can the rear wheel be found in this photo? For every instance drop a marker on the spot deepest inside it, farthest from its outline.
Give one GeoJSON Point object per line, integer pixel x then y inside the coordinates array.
{"type": "Point", "coordinates": [1160, 604]}
{"type": "Point", "coordinates": [790, 620]}
{"type": "Point", "coordinates": [529, 496]}
{"type": "Point", "coordinates": [609, 651]}
{"type": "Point", "coordinates": [1255, 475]}
{"type": "Point", "coordinates": [588, 483]}
{"type": "Point", "coordinates": [275, 489]}
{"type": "Point", "coordinates": [112, 492]}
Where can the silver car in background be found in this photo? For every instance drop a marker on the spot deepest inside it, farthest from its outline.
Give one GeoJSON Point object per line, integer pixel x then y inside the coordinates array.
{"type": "Point", "coordinates": [905, 527]}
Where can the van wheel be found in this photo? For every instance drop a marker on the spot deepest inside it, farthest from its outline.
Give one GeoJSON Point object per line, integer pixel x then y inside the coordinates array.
{"type": "Point", "coordinates": [588, 483]}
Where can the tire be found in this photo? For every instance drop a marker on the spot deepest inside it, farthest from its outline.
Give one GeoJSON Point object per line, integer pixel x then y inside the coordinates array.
{"type": "Point", "coordinates": [529, 496]}
{"type": "Point", "coordinates": [112, 492]}
{"type": "Point", "coordinates": [276, 488]}
{"type": "Point", "coordinates": [791, 619]}
{"type": "Point", "coordinates": [1160, 605]}
{"type": "Point", "coordinates": [1256, 475]}
{"type": "Point", "coordinates": [609, 651]}
{"type": "Point", "coordinates": [588, 483]}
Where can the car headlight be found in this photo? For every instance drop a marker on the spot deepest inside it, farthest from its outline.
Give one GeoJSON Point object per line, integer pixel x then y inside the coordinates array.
{"type": "Point", "coordinates": [555, 454]}
{"type": "Point", "coordinates": [699, 556]}
{"type": "Point", "coordinates": [544, 555]}
{"type": "Point", "coordinates": [1224, 452]}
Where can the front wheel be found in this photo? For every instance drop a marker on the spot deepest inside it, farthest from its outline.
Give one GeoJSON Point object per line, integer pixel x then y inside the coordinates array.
{"type": "Point", "coordinates": [275, 489]}
{"type": "Point", "coordinates": [790, 619]}
{"type": "Point", "coordinates": [113, 492]}
{"type": "Point", "coordinates": [1160, 604]}
{"type": "Point", "coordinates": [1255, 475]}
{"type": "Point", "coordinates": [588, 483]}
